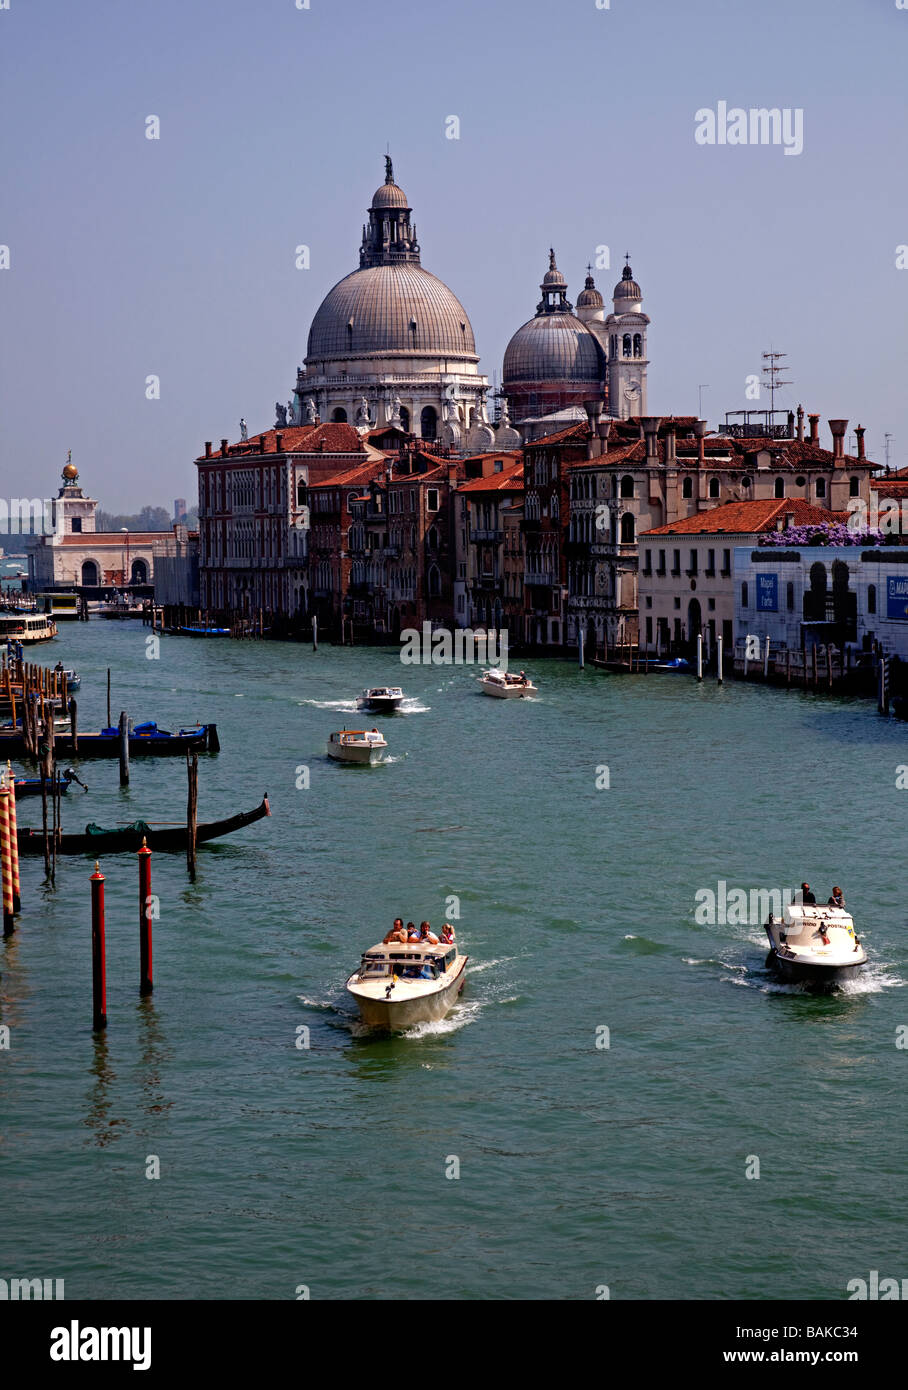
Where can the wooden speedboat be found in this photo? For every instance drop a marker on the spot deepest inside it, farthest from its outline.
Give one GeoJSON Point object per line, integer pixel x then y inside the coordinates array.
{"type": "Point", "coordinates": [504, 685]}
{"type": "Point", "coordinates": [31, 786]}
{"type": "Point", "coordinates": [383, 699]}
{"type": "Point", "coordinates": [814, 944]}
{"type": "Point", "coordinates": [397, 986]}
{"type": "Point", "coordinates": [171, 839]}
{"type": "Point", "coordinates": [365, 747]}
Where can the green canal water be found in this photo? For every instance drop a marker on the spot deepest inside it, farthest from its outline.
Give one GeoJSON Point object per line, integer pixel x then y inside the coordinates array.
{"type": "Point", "coordinates": [579, 1165]}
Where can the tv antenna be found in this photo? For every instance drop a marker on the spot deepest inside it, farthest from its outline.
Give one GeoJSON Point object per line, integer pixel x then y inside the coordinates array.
{"type": "Point", "coordinates": [775, 365]}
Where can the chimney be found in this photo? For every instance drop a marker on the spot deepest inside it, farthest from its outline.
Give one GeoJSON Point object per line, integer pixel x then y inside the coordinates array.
{"type": "Point", "coordinates": [859, 431]}
{"type": "Point", "coordinates": [278, 442]}
{"type": "Point", "coordinates": [208, 448]}
{"type": "Point", "coordinates": [791, 424]}
{"type": "Point", "coordinates": [814, 428]}
{"type": "Point", "coordinates": [650, 426]}
{"type": "Point", "coordinates": [838, 428]}
{"type": "Point", "coordinates": [789, 520]}
{"type": "Point", "coordinates": [224, 447]}
{"type": "Point", "coordinates": [603, 429]}
{"type": "Point", "coordinates": [593, 413]}
{"type": "Point", "coordinates": [701, 429]}
{"type": "Point", "coordinates": [452, 474]}
{"type": "Point", "coordinates": [801, 423]}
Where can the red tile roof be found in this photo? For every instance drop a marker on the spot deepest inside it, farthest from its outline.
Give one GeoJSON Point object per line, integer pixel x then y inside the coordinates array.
{"type": "Point", "coordinates": [305, 439]}
{"type": "Point", "coordinates": [747, 518]}
{"type": "Point", "coordinates": [509, 480]}
{"type": "Point", "coordinates": [362, 473]}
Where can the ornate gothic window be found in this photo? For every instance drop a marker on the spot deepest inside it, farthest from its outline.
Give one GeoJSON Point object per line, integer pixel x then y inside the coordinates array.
{"type": "Point", "coordinates": [626, 345]}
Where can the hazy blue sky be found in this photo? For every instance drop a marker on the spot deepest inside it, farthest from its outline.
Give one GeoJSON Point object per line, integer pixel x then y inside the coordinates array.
{"type": "Point", "coordinates": [175, 257]}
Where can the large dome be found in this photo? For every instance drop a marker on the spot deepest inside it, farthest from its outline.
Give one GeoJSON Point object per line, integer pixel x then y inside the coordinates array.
{"type": "Point", "coordinates": [391, 309]}
{"type": "Point", "coordinates": [552, 348]}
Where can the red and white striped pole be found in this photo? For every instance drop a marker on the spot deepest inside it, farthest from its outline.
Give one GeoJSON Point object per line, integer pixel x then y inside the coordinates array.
{"type": "Point", "coordinates": [98, 962]}
{"type": "Point", "coordinates": [146, 981]}
{"type": "Point", "coordinates": [13, 836]}
{"type": "Point", "coordinates": [6, 863]}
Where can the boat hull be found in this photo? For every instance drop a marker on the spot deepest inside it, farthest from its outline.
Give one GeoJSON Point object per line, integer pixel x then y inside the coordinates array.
{"type": "Point", "coordinates": [357, 756]}
{"type": "Point", "coordinates": [380, 706]}
{"type": "Point", "coordinates": [507, 692]}
{"type": "Point", "coordinates": [170, 840]}
{"type": "Point", "coordinates": [101, 745]}
{"type": "Point", "coordinates": [820, 975]}
{"type": "Point", "coordinates": [394, 1016]}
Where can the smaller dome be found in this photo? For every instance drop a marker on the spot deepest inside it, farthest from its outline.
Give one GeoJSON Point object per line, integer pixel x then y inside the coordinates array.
{"type": "Point", "coordinates": [589, 297]}
{"type": "Point", "coordinates": [389, 196]}
{"type": "Point", "coordinates": [627, 287]}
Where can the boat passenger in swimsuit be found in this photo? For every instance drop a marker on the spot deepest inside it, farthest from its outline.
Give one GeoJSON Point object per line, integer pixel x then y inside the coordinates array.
{"type": "Point", "coordinates": [447, 934]}
{"type": "Point", "coordinates": [396, 933]}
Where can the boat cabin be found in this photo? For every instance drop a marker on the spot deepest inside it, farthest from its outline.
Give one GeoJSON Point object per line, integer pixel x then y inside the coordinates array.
{"type": "Point", "coordinates": [383, 692]}
{"type": "Point", "coordinates": [804, 924]}
{"type": "Point", "coordinates": [407, 962]}
{"type": "Point", "coordinates": [357, 736]}
{"type": "Point", "coordinates": [27, 627]}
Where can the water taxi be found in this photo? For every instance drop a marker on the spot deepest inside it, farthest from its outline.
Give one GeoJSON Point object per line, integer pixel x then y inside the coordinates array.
{"type": "Point", "coordinates": [397, 986]}
{"type": "Point", "coordinates": [363, 746]}
{"type": "Point", "coordinates": [383, 699]}
{"type": "Point", "coordinates": [504, 685]}
{"type": "Point", "coordinates": [814, 944]}
{"type": "Point", "coordinates": [27, 628]}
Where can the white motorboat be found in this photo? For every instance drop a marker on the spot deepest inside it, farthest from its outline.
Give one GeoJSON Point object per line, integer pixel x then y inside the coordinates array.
{"type": "Point", "coordinates": [505, 685]}
{"type": "Point", "coordinates": [814, 943]}
{"type": "Point", "coordinates": [397, 985]}
{"type": "Point", "coordinates": [363, 746]}
{"type": "Point", "coordinates": [383, 699]}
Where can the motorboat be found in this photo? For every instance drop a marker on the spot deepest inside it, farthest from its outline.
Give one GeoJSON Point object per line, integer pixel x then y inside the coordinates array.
{"type": "Point", "coordinates": [383, 699]}
{"type": "Point", "coordinates": [363, 746]}
{"type": "Point", "coordinates": [397, 985]}
{"type": "Point", "coordinates": [504, 685]}
{"type": "Point", "coordinates": [675, 666]}
{"type": "Point", "coordinates": [815, 944]}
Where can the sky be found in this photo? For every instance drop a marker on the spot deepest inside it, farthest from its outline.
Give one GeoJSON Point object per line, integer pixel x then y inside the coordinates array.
{"type": "Point", "coordinates": [131, 258]}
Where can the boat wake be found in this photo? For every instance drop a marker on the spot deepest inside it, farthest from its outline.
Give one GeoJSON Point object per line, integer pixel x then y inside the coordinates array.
{"type": "Point", "coordinates": [347, 706]}
{"type": "Point", "coordinates": [414, 706]}
{"type": "Point", "coordinates": [873, 979]}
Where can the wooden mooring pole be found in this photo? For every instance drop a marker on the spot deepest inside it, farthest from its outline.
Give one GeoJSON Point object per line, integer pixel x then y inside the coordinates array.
{"type": "Point", "coordinates": [192, 804]}
{"type": "Point", "coordinates": [6, 863]}
{"type": "Point", "coordinates": [124, 749]}
{"type": "Point", "coordinates": [14, 836]}
{"type": "Point", "coordinates": [146, 982]}
{"type": "Point", "coordinates": [98, 957]}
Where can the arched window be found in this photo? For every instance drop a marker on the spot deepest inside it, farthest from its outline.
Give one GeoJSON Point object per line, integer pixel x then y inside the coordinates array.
{"type": "Point", "coordinates": [714, 487]}
{"type": "Point", "coordinates": [626, 345]}
{"type": "Point", "coordinates": [745, 482]}
{"type": "Point", "coordinates": [428, 422]}
{"type": "Point", "coordinates": [90, 576]}
{"type": "Point", "coordinates": [301, 493]}
{"type": "Point", "coordinates": [744, 594]}
{"type": "Point", "coordinates": [434, 581]}
{"type": "Point", "coordinates": [555, 507]}
{"type": "Point", "coordinates": [871, 598]}
{"type": "Point", "coordinates": [638, 345]}
{"type": "Point", "coordinates": [627, 486]}
{"type": "Point", "coordinates": [821, 487]}
{"type": "Point", "coordinates": [687, 487]}
{"type": "Point", "coordinates": [780, 487]}
{"type": "Point", "coordinates": [627, 529]}
{"type": "Point", "coordinates": [854, 487]}
{"type": "Point", "coordinates": [405, 419]}
{"type": "Point", "coordinates": [139, 572]}
{"type": "Point", "coordinates": [339, 416]}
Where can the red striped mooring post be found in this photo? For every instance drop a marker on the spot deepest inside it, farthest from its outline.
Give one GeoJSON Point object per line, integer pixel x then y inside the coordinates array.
{"type": "Point", "coordinates": [146, 981]}
{"type": "Point", "coordinates": [13, 836]}
{"type": "Point", "coordinates": [6, 863]}
{"type": "Point", "coordinates": [98, 964]}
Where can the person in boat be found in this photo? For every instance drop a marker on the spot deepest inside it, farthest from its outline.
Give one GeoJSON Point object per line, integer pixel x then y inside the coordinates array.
{"type": "Point", "coordinates": [396, 933]}
{"type": "Point", "coordinates": [806, 895]}
{"type": "Point", "coordinates": [523, 678]}
{"type": "Point", "coordinates": [447, 934]}
{"type": "Point", "coordinates": [836, 898]}
{"type": "Point", "coordinates": [427, 934]}
{"type": "Point", "coordinates": [412, 934]}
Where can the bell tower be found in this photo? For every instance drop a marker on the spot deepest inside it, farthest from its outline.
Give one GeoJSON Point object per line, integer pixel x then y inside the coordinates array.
{"type": "Point", "coordinates": [627, 360]}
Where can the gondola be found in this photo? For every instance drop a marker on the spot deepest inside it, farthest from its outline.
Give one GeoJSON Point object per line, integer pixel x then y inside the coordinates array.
{"type": "Point", "coordinates": [95, 840]}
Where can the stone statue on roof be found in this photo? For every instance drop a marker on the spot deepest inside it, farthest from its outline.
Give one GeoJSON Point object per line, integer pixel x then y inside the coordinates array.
{"type": "Point", "coordinates": [363, 413]}
{"type": "Point", "coordinates": [244, 432]}
{"type": "Point", "coordinates": [311, 412]}
{"type": "Point", "coordinates": [280, 412]}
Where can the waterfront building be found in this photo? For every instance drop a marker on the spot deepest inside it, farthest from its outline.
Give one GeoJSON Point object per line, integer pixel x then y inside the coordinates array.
{"type": "Point", "coordinates": [854, 597]}
{"type": "Point", "coordinates": [491, 550]}
{"type": "Point", "coordinates": [254, 515]}
{"type": "Point", "coordinates": [78, 556]}
{"type": "Point", "coordinates": [330, 560]}
{"type": "Point", "coordinates": [686, 583]}
{"type": "Point", "coordinates": [392, 344]}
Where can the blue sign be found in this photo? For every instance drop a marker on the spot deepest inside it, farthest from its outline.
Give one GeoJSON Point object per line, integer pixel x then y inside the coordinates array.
{"type": "Point", "coordinates": [897, 596]}
{"type": "Point", "coordinates": [767, 593]}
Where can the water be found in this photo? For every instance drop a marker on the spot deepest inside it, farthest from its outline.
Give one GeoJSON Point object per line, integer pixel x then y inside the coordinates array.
{"type": "Point", "coordinates": [579, 1166]}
